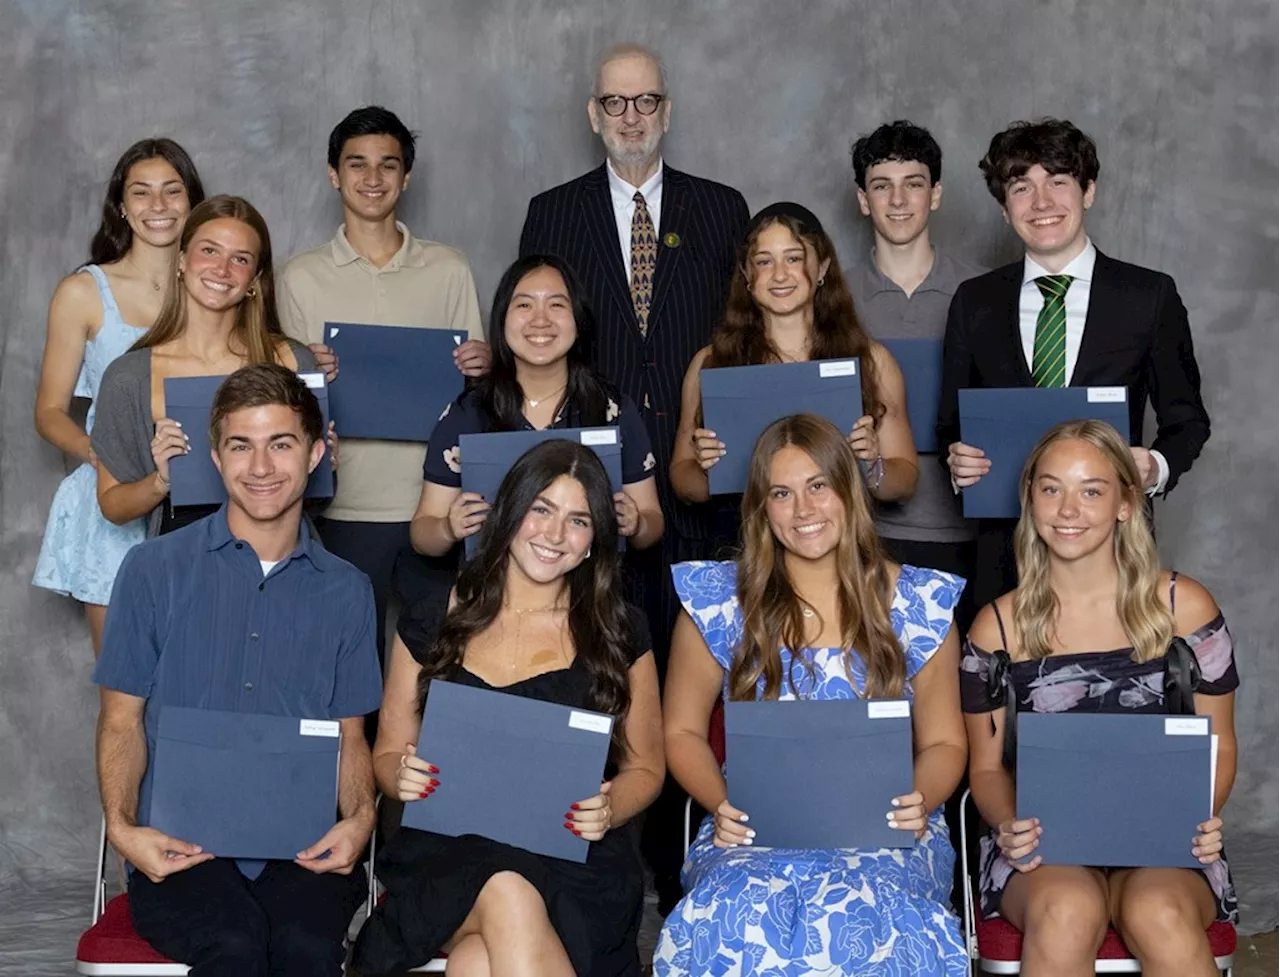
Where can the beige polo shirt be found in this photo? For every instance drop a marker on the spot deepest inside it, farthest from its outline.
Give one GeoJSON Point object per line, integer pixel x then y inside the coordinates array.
{"type": "Point", "coordinates": [426, 285]}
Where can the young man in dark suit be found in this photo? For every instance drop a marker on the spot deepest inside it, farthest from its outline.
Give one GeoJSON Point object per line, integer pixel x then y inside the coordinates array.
{"type": "Point", "coordinates": [1065, 315]}
{"type": "Point", "coordinates": [654, 249]}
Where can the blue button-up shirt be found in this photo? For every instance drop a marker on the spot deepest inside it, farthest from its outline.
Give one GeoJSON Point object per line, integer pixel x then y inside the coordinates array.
{"type": "Point", "coordinates": [193, 622]}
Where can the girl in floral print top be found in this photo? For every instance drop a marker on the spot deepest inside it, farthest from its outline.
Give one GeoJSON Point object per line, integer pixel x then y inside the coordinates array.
{"type": "Point", "coordinates": [1089, 579]}
{"type": "Point", "coordinates": [541, 333]}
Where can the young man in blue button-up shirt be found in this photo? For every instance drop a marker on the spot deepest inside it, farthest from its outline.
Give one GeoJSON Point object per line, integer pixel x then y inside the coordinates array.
{"type": "Point", "coordinates": [243, 611]}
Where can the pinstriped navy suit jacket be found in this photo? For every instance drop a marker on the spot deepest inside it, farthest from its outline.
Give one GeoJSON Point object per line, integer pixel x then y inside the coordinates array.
{"type": "Point", "coordinates": [702, 225]}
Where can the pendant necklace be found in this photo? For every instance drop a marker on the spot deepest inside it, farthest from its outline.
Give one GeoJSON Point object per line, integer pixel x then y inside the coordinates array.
{"type": "Point", "coordinates": [534, 403]}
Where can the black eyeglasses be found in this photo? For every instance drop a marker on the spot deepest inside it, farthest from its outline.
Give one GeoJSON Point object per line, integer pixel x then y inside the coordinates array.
{"type": "Point", "coordinates": [616, 105]}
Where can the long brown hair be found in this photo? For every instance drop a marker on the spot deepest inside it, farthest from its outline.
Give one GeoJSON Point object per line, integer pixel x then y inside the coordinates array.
{"type": "Point", "coordinates": [114, 237]}
{"type": "Point", "coordinates": [598, 621]}
{"type": "Point", "coordinates": [740, 338]}
{"type": "Point", "coordinates": [1143, 614]}
{"type": "Point", "coordinates": [257, 334]}
{"type": "Point", "coordinates": [773, 614]}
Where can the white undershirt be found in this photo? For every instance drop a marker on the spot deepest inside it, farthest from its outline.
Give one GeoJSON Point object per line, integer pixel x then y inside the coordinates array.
{"type": "Point", "coordinates": [624, 207]}
{"type": "Point", "coordinates": [268, 566]}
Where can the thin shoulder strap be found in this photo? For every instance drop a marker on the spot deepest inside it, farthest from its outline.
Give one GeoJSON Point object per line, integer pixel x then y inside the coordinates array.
{"type": "Point", "coordinates": [1173, 589]}
{"type": "Point", "coordinates": [1004, 638]}
{"type": "Point", "coordinates": [109, 306]}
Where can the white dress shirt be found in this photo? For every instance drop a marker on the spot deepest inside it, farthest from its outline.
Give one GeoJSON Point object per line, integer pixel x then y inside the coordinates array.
{"type": "Point", "coordinates": [1031, 301]}
{"type": "Point", "coordinates": [624, 207]}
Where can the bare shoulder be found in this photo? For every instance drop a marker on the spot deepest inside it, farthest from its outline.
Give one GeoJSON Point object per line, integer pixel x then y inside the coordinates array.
{"type": "Point", "coordinates": [1193, 605]}
{"type": "Point", "coordinates": [78, 293]}
{"type": "Point", "coordinates": [699, 358]}
{"type": "Point", "coordinates": [985, 630]}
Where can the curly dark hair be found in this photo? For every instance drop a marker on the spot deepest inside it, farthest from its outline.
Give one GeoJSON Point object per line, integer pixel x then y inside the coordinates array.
{"type": "Point", "coordinates": [1055, 144]}
{"type": "Point", "coordinates": [896, 142]}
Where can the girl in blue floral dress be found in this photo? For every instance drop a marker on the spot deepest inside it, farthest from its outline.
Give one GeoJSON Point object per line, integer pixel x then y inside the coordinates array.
{"type": "Point", "coordinates": [1090, 579]}
{"type": "Point", "coordinates": [812, 610]}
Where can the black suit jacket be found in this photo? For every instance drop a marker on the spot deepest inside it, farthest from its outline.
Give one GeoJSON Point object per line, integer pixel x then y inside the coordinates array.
{"type": "Point", "coordinates": [702, 224]}
{"type": "Point", "coordinates": [1135, 335]}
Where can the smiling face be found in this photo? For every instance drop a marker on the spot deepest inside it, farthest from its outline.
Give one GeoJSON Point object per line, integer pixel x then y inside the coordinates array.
{"type": "Point", "coordinates": [540, 327]}
{"type": "Point", "coordinates": [782, 271]}
{"type": "Point", "coordinates": [370, 176]}
{"type": "Point", "coordinates": [1047, 212]}
{"type": "Point", "coordinates": [630, 139]}
{"type": "Point", "coordinates": [155, 202]}
{"type": "Point", "coordinates": [220, 263]}
{"type": "Point", "coordinates": [804, 511]}
{"type": "Point", "coordinates": [265, 458]}
{"type": "Point", "coordinates": [898, 199]}
{"type": "Point", "coordinates": [1076, 499]}
{"type": "Point", "coordinates": [555, 534]}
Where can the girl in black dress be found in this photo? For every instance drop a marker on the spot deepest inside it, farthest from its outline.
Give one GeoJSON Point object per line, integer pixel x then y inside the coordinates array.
{"type": "Point", "coordinates": [536, 612]}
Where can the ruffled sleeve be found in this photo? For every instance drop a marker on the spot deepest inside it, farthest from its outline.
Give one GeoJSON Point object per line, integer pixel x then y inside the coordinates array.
{"type": "Point", "coordinates": [923, 611]}
{"type": "Point", "coordinates": [708, 593]}
{"type": "Point", "coordinates": [1215, 651]}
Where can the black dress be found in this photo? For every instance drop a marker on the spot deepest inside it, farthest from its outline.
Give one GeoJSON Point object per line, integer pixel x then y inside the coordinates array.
{"type": "Point", "coordinates": [433, 880]}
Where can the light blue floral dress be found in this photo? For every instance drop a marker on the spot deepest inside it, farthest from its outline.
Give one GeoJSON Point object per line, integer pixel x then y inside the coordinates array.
{"type": "Point", "coordinates": [82, 551]}
{"type": "Point", "coordinates": [779, 912]}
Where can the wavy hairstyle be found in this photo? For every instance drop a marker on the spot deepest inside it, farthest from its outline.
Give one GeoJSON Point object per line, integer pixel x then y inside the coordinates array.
{"type": "Point", "coordinates": [599, 624]}
{"type": "Point", "coordinates": [1145, 617]}
{"type": "Point", "coordinates": [773, 613]}
{"type": "Point", "coordinates": [586, 394]}
{"type": "Point", "coordinates": [740, 339]}
{"type": "Point", "coordinates": [114, 236]}
{"type": "Point", "coordinates": [257, 332]}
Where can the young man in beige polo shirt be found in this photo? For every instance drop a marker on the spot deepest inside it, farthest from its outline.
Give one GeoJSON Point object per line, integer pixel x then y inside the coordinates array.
{"type": "Point", "coordinates": [374, 271]}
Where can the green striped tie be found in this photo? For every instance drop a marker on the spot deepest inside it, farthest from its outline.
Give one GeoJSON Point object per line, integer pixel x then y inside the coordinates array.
{"type": "Point", "coordinates": [1049, 356]}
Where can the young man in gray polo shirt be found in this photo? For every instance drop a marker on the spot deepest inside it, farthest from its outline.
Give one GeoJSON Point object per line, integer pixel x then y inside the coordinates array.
{"type": "Point", "coordinates": [902, 290]}
{"type": "Point", "coordinates": [375, 272]}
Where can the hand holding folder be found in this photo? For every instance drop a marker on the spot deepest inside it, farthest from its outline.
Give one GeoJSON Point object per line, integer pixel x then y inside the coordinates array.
{"type": "Point", "coordinates": [1006, 423]}
{"type": "Point", "coordinates": [395, 380]}
{"type": "Point", "coordinates": [739, 402]}
{"type": "Point", "coordinates": [193, 477]}
{"type": "Point", "coordinates": [510, 767]}
{"type": "Point", "coordinates": [820, 773]}
{"type": "Point", "coordinates": [1115, 790]}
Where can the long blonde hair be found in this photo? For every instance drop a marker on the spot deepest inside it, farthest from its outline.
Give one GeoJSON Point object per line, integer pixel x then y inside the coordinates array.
{"type": "Point", "coordinates": [773, 614]}
{"type": "Point", "coordinates": [257, 335]}
{"type": "Point", "coordinates": [1143, 614]}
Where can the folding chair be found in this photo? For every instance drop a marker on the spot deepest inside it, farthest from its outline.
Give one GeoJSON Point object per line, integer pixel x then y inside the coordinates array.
{"type": "Point", "coordinates": [996, 944]}
{"type": "Point", "coordinates": [715, 738]}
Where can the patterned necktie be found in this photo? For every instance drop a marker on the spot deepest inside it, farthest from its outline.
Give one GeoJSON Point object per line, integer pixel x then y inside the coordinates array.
{"type": "Point", "coordinates": [1049, 356]}
{"type": "Point", "coordinates": [644, 257]}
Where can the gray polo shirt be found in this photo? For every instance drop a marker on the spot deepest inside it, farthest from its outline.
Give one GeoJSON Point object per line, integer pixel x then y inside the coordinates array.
{"type": "Point", "coordinates": [932, 515]}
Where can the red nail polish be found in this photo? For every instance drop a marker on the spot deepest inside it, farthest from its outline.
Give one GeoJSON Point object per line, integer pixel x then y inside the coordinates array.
{"type": "Point", "coordinates": [569, 825]}
{"type": "Point", "coordinates": [431, 769]}
{"type": "Point", "coordinates": [423, 796]}
{"type": "Point", "coordinates": [573, 807]}
{"type": "Point", "coordinates": [577, 832]}
{"type": "Point", "coordinates": [433, 783]}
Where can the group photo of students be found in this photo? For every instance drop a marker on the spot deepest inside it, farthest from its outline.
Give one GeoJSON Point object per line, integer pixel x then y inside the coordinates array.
{"type": "Point", "coordinates": [703, 600]}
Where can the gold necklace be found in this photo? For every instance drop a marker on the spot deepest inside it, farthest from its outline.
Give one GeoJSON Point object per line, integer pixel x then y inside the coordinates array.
{"type": "Point", "coordinates": [521, 613]}
{"type": "Point", "coordinates": [155, 285]}
{"type": "Point", "coordinates": [534, 403]}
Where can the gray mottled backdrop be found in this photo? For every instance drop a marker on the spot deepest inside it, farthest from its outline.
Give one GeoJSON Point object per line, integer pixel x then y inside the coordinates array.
{"type": "Point", "coordinates": [1181, 96]}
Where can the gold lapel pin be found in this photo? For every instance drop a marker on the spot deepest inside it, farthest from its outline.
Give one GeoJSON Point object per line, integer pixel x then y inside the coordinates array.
{"type": "Point", "coordinates": [671, 239]}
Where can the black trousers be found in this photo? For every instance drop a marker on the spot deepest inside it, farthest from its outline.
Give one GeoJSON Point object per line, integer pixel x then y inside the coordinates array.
{"type": "Point", "coordinates": [287, 922]}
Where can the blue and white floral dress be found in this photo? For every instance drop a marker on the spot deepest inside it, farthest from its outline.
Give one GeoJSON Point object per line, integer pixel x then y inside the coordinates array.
{"type": "Point", "coordinates": [779, 912]}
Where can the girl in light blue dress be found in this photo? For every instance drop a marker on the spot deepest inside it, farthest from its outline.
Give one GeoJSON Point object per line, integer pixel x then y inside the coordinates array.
{"type": "Point", "coordinates": [812, 610]}
{"type": "Point", "coordinates": [152, 189]}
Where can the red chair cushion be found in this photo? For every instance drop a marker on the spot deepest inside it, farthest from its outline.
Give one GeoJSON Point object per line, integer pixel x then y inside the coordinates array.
{"type": "Point", "coordinates": [112, 939]}
{"type": "Point", "coordinates": [998, 940]}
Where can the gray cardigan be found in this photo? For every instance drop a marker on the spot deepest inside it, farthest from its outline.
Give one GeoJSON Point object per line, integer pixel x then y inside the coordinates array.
{"type": "Point", "coordinates": [122, 427]}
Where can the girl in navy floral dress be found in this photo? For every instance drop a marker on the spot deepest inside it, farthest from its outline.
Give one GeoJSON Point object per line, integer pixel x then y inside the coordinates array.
{"type": "Point", "coordinates": [1090, 579]}
{"type": "Point", "coordinates": [812, 610]}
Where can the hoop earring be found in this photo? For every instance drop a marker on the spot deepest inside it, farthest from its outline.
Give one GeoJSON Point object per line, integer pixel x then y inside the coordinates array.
{"type": "Point", "coordinates": [123, 213]}
{"type": "Point", "coordinates": [822, 281]}
{"type": "Point", "coordinates": [588, 554]}
{"type": "Point", "coordinates": [252, 291]}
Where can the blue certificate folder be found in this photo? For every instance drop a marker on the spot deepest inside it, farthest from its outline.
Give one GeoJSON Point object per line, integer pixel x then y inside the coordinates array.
{"type": "Point", "coordinates": [739, 402]}
{"type": "Point", "coordinates": [920, 361]}
{"type": "Point", "coordinates": [393, 381]}
{"type": "Point", "coordinates": [486, 459]}
{"type": "Point", "coordinates": [243, 785]}
{"type": "Point", "coordinates": [1113, 790]}
{"type": "Point", "coordinates": [1006, 423]}
{"type": "Point", "coordinates": [820, 773]}
{"type": "Point", "coordinates": [510, 767]}
{"type": "Point", "coordinates": [193, 478]}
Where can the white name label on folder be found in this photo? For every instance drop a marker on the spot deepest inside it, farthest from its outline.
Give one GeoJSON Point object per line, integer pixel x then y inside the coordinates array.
{"type": "Point", "coordinates": [1187, 726]}
{"type": "Point", "coordinates": [319, 727]}
{"type": "Point", "coordinates": [1107, 395]}
{"type": "Point", "coordinates": [600, 437]}
{"type": "Point", "coordinates": [313, 380]}
{"type": "Point", "coordinates": [838, 368]}
{"type": "Point", "coordinates": [592, 724]}
{"type": "Point", "coordinates": [333, 331]}
{"type": "Point", "coordinates": [888, 710]}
